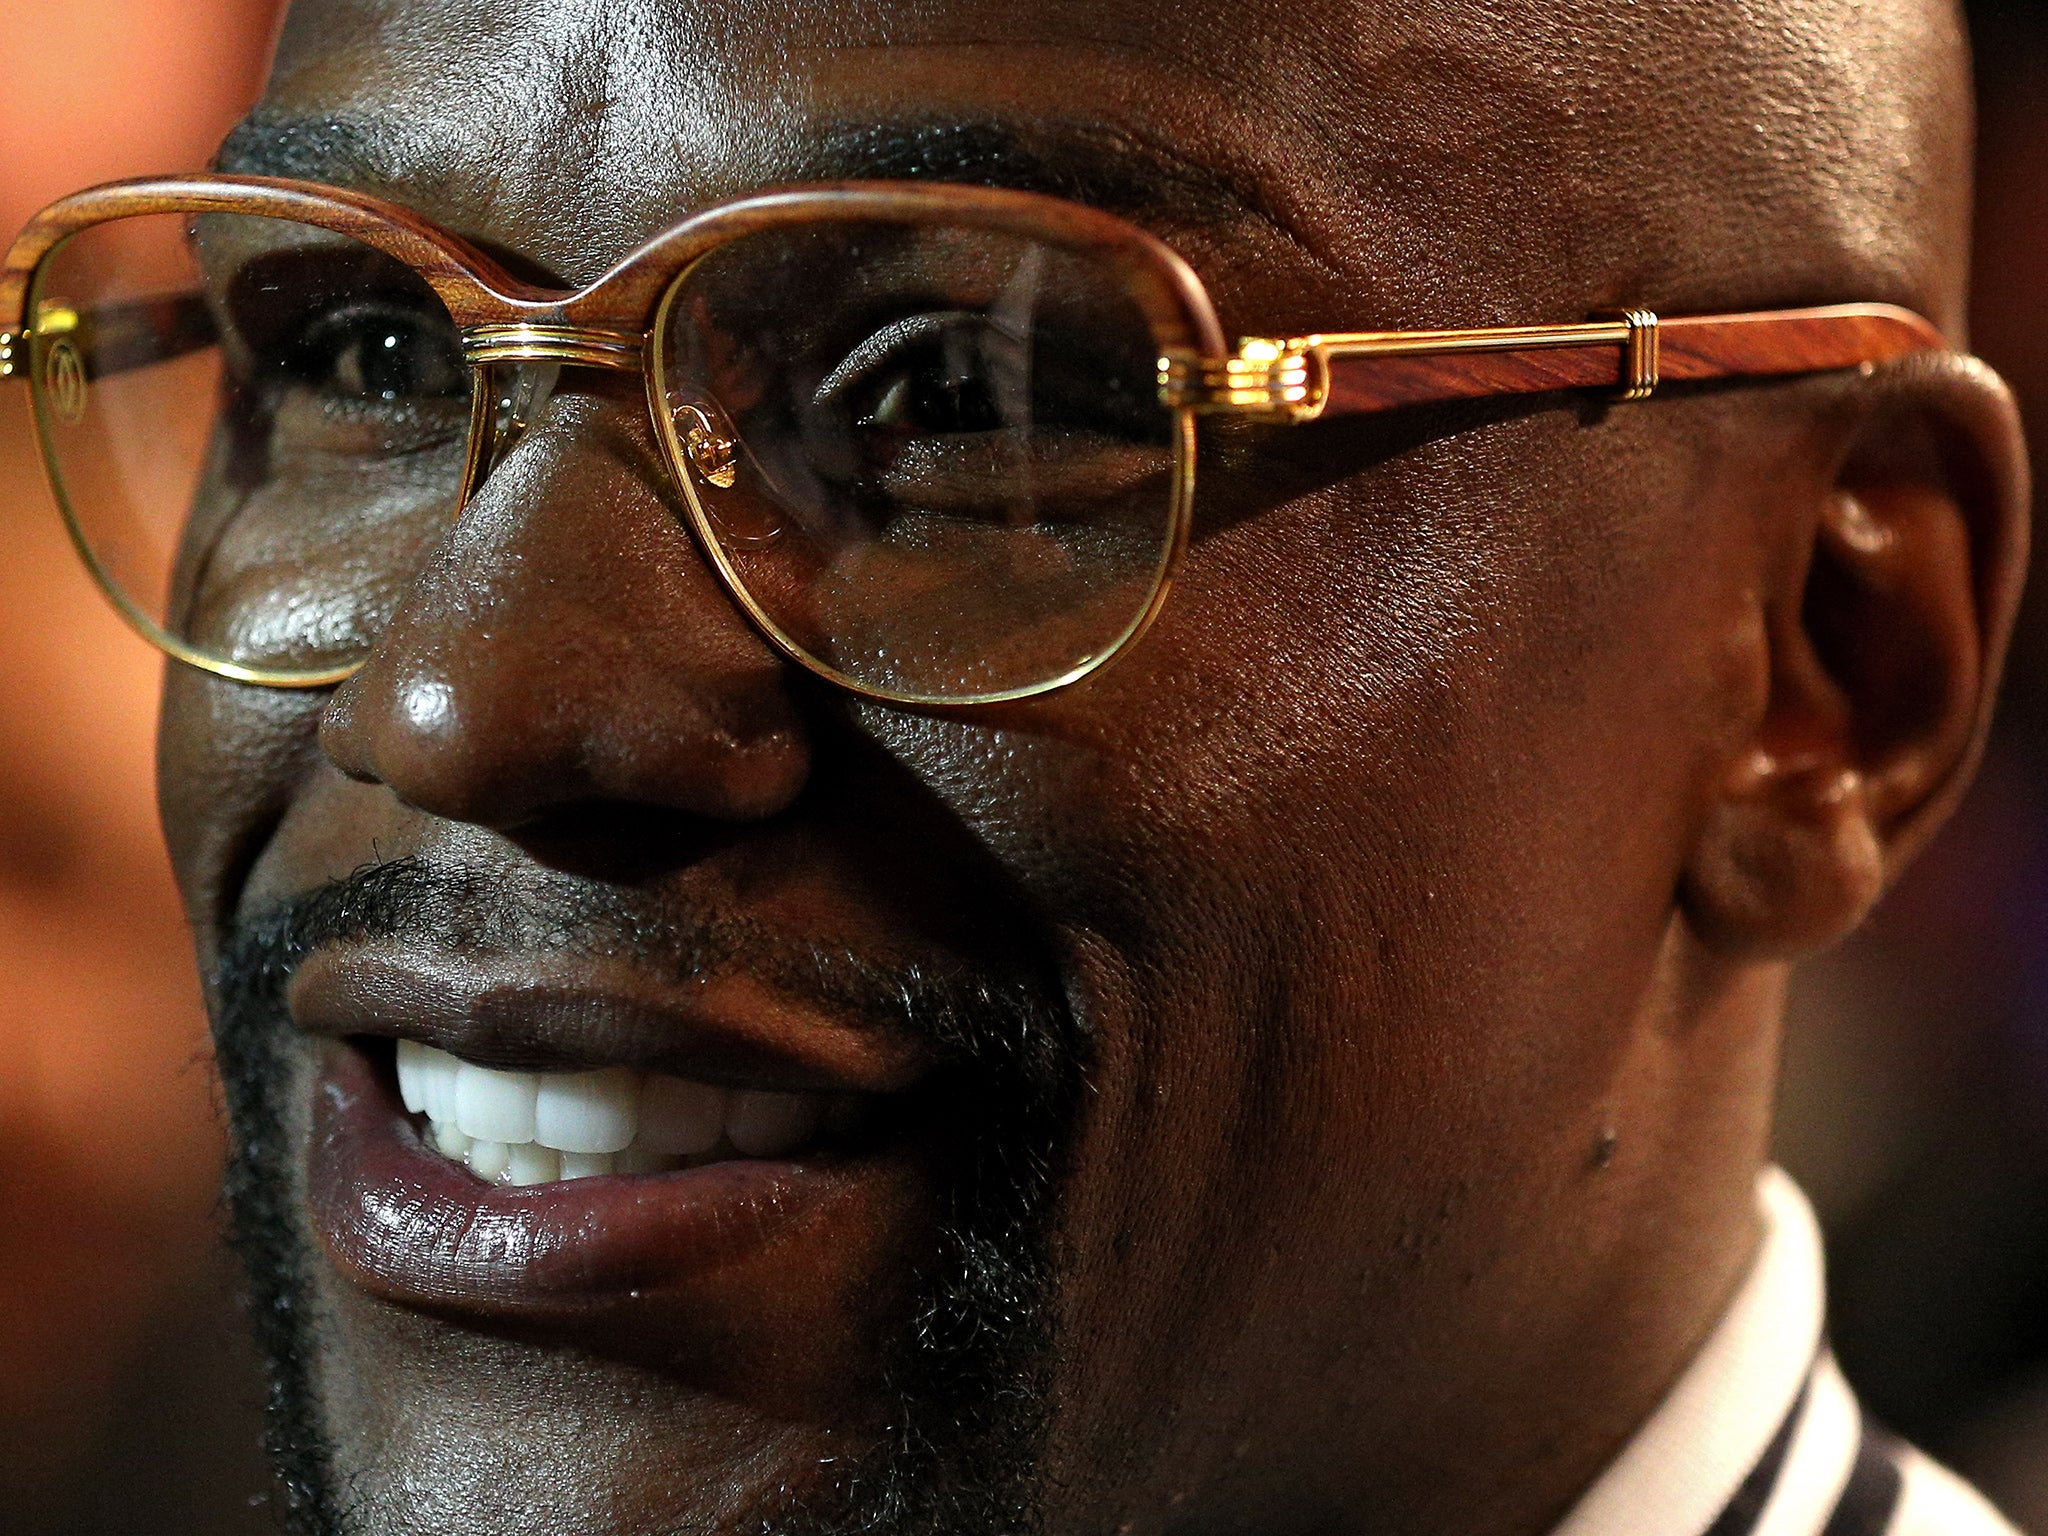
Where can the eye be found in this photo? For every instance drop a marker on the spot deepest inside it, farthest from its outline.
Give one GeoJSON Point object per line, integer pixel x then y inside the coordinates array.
{"type": "Point", "coordinates": [955, 374]}
{"type": "Point", "coordinates": [377, 354]}
{"type": "Point", "coordinates": [928, 392]}
{"type": "Point", "coordinates": [932, 375]}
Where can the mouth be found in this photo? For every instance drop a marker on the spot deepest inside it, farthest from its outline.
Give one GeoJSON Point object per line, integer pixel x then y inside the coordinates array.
{"type": "Point", "coordinates": [561, 1143]}
{"type": "Point", "coordinates": [525, 1128]}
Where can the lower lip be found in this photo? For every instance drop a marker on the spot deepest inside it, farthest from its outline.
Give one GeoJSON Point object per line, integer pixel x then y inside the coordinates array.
{"type": "Point", "coordinates": [411, 1226]}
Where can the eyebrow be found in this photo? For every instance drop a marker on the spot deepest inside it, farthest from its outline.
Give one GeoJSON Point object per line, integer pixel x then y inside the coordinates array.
{"type": "Point", "coordinates": [1109, 168]}
{"type": "Point", "coordinates": [1085, 162]}
{"type": "Point", "coordinates": [328, 149]}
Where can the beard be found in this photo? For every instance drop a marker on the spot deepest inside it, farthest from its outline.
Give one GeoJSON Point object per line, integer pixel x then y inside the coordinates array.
{"type": "Point", "coordinates": [965, 1384]}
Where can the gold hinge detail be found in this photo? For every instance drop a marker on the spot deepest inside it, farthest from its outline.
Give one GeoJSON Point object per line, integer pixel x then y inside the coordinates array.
{"type": "Point", "coordinates": [1271, 380]}
{"type": "Point", "coordinates": [1639, 353]}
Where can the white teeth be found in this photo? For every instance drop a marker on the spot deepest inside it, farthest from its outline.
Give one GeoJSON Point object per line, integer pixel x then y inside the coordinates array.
{"type": "Point", "coordinates": [763, 1124]}
{"type": "Point", "coordinates": [449, 1141]}
{"type": "Point", "coordinates": [412, 1075]}
{"type": "Point", "coordinates": [489, 1159]}
{"type": "Point", "coordinates": [585, 1165]}
{"type": "Point", "coordinates": [437, 1071]}
{"type": "Point", "coordinates": [587, 1112]}
{"type": "Point", "coordinates": [679, 1116]}
{"type": "Point", "coordinates": [495, 1105]}
{"type": "Point", "coordinates": [539, 1127]}
{"type": "Point", "coordinates": [529, 1164]}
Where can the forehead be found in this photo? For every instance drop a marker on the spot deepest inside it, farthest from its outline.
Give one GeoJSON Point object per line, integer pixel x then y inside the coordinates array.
{"type": "Point", "coordinates": [1411, 162]}
{"type": "Point", "coordinates": [1349, 151]}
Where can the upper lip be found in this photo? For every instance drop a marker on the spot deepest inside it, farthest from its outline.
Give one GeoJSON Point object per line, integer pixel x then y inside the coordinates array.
{"type": "Point", "coordinates": [553, 1012]}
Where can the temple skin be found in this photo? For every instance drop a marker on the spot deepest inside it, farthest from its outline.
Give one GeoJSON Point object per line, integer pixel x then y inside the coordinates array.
{"type": "Point", "coordinates": [1427, 879]}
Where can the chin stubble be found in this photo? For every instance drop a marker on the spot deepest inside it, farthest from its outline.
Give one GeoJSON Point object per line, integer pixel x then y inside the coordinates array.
{"type": "Point", "coordinates": [967, 1383]}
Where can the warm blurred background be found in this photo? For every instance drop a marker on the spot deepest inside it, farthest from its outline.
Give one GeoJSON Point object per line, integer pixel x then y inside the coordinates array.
{"type": "Point", "coordinates": [128, 1402]}
{"type": "Point", "coordinates": [1915, 1111]}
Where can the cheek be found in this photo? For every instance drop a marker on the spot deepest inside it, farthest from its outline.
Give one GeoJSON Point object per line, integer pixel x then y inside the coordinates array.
{"type": "Point", "coordinates": [229, 758]}
{"type": "Point", "coordinates": [1357, 868]}
{"type": "Point", "coordinates": [1301, 689]}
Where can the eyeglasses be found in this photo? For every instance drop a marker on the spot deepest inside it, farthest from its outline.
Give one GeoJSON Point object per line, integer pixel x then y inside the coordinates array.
{"type": "Point", "coordinates": [936, 442]}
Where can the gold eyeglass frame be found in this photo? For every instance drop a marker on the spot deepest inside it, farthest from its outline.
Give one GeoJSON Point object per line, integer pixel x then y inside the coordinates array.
{"type": "Point", "coordinates": [617, 322]}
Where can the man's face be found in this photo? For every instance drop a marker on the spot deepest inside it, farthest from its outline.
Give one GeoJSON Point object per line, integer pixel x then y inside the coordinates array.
{"type": "Point", "coordinates": [1227, 1038]}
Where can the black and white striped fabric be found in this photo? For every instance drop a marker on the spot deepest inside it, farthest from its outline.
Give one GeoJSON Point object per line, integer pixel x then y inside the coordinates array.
{"type": "Point", "coordinates": [1761, 1436]}
{"type": "Point", "coordinates": [1868, 1504]}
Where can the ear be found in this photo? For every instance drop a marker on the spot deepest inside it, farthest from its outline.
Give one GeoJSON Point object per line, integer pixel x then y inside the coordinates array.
{"type": "Point", "coordinates": [1886, 630]}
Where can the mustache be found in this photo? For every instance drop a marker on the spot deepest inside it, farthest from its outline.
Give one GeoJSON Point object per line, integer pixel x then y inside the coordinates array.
{"type": "Point", "coordinates": [970, 1377]}
{"type": "Point", "coordinates": [1003, 1016]}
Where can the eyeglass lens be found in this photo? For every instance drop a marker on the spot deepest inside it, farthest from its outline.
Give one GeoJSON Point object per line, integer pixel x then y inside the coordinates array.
{"type": "Point", "coordinates": [954, 476]}
{"type": "Point", "coordinates": [256, 428]}
{"type": "Point", "coordinates": [930, 459]}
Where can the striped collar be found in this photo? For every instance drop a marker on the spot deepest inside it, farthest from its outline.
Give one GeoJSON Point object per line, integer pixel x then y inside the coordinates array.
{"type": "Point", "coordinates": [1760, 1436]}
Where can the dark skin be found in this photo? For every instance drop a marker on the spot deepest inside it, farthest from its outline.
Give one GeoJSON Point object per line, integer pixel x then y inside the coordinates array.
{"type": "Point", "coordinates": [1428, 878]}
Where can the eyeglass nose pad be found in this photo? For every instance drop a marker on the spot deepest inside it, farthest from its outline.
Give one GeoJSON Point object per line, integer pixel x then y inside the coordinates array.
{"type": "Point", "coordinates": [515, 395]}
{"type": "Point", "coordinates": [714, 451]}
{"type": "Point", "coordinates": [709, 445]}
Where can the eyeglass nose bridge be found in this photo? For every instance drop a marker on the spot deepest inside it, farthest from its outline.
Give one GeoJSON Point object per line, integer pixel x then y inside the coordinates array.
{"type": "Point", "coordinates": [537, 342]}
{"type": "Point", "coordinates": [517, 365]}
{"type": "Point", "coordinates": [707, 443]}
{"type": "Point", "coordinates": [528, 357]}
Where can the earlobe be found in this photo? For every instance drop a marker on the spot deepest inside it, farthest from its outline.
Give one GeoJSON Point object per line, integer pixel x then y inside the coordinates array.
{"type": "Point", "coordinates": [1788, 863]}
{"type": "Point", "coordinates": [1885, 630]}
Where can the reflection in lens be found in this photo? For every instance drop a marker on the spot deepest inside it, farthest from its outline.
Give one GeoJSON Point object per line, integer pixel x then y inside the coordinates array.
{"type": "Point", "coordinates": [954, 476]}
{"type": "Point", "coordinates": [255, 426]}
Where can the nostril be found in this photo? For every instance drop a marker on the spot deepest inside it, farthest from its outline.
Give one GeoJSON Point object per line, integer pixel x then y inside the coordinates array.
{"type": "Point", "coordinates": [341, 737]}
{"type": "Point", "coordinates": [374, 722]}
{"type": "Point", "coordinates": [498, 744]}
{"type": "Point", "coordinates": [763, 776]}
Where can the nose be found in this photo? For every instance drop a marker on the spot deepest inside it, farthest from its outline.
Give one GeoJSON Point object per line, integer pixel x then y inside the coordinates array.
{"type": "Point", "coordinates": [566, 644]}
